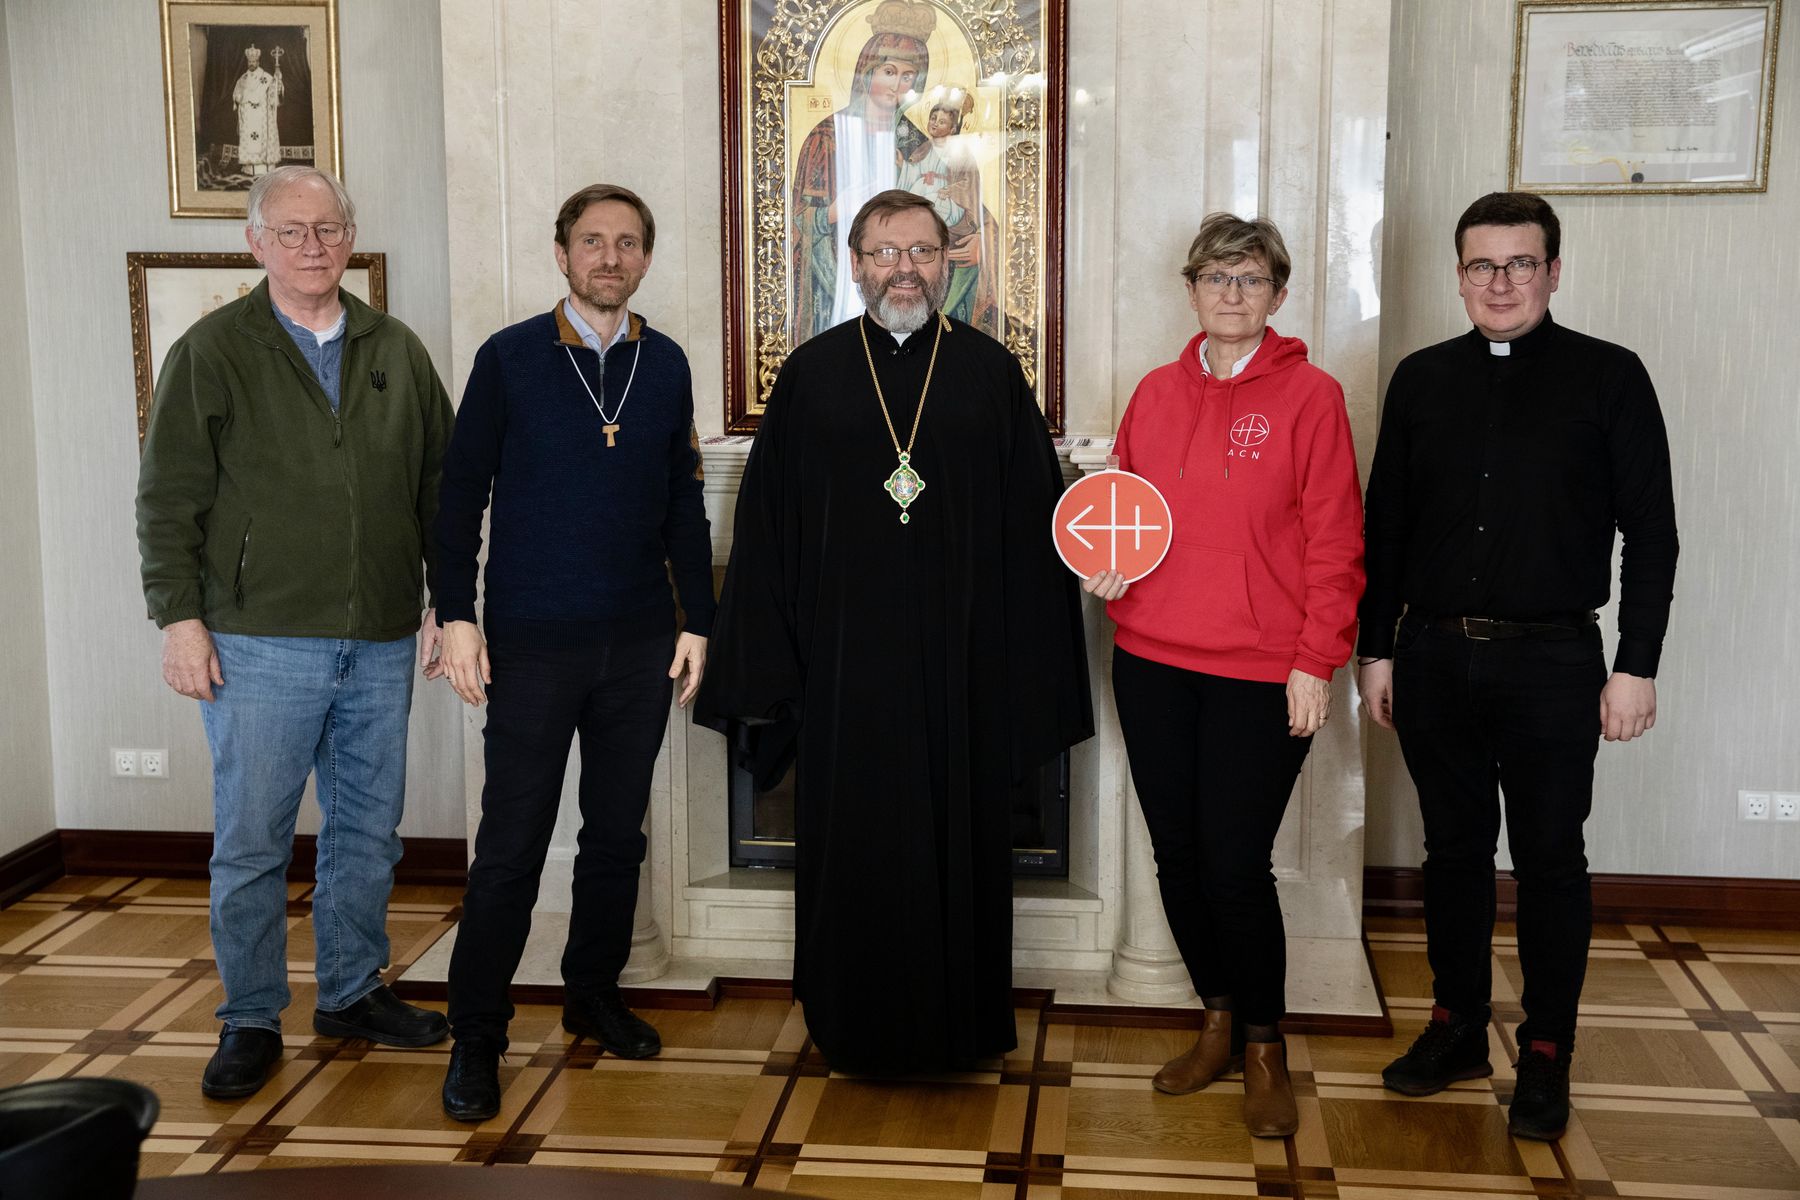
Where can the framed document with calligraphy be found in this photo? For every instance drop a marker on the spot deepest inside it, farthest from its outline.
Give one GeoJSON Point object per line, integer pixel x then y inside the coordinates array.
{"type": "Point", "coordinates": [169, 292]}
{"type": "Point", "coordinates": [828, 102]}
{"type": "Point", "coordinates": [247, 86]}
{"type": "Point", "coordinates": [1652, 96]}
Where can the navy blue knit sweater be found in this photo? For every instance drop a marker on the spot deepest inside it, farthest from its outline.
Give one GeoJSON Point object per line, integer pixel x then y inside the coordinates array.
{"type": "Point", "coordinates": [580, 531]}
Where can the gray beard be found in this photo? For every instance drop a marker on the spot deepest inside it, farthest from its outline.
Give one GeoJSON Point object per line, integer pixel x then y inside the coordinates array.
{"type": "Point", "coordinates": [903, 316]}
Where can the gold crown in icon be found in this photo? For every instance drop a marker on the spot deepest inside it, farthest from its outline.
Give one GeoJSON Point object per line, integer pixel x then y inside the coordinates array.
{"type": "Point", "coordinates": [912, 18]}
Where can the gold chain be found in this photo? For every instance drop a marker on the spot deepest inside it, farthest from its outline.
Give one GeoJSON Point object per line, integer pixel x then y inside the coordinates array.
{"type": "Point", "coordinates": [880, 399]}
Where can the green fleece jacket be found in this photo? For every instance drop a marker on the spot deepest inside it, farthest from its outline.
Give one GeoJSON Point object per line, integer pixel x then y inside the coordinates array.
{"type": "Point", "coordinates": [260, 510]}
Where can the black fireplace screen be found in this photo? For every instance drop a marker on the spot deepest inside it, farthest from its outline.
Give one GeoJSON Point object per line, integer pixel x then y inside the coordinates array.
{"type": "Point", "coordinates": [763, 833]}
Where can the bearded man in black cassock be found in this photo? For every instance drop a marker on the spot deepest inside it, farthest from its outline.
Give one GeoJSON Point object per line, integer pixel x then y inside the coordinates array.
{"type": "Point", "coordinates": [895, 604]}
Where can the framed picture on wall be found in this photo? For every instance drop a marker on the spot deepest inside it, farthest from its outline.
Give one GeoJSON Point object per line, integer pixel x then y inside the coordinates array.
{"type": "Point", "coordinates": [1651, 96]}
{"type": "Point", "coordinates": [828, 102]}
{"type": "Point", "coordinates": [247, 87]}
{"type": "Point", "coordinates": [169, 292]}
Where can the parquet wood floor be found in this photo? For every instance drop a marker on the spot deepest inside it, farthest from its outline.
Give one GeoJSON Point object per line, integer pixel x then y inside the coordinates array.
{"type": "Point", "coordinates": [1686, 1080]}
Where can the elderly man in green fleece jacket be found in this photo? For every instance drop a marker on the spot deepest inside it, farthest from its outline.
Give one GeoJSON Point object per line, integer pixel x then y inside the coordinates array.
{"type": "Point", "coordinates": [289, 471]}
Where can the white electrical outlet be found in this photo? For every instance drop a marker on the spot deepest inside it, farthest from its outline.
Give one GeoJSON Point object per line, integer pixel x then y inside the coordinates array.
{"type": "Point", "coordinates": [153, 764]}
{"type": "Point", "coordinates": [1753, 806]}
{"type": "Point", "coordinates": [125, 762]}
{"type": "Point", "coordinates": [1787, 806]}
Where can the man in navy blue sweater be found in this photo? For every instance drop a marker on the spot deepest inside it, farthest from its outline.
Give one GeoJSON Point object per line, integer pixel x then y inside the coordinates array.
{"type": "Point", "coordinates": [578, 427]}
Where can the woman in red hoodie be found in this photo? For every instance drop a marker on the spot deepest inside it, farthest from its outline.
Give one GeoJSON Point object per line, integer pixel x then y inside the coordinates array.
{"type": "Point", "coordinates": [1223, 660]}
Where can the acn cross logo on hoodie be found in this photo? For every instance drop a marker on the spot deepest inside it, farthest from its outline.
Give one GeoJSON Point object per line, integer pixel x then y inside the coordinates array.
{"type": "Point", "coordinates": [1251, 429]}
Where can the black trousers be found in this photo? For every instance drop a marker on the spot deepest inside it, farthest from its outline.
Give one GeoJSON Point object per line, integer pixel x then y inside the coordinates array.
{"type": "Point", "coordinates": [1519, 718]}
{"type": "Point", "coordinates": [1214, 765]}
{"type": "Point", "coordinates": [615, 695]}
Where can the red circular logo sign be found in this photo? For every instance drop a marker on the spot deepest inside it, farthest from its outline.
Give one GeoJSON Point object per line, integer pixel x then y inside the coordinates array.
{"type": "Point", "coordinates": [1112, 521]}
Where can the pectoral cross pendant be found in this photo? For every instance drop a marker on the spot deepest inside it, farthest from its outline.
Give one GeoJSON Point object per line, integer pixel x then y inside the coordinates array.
{"type": "Point", "coordinates": [609, 430]}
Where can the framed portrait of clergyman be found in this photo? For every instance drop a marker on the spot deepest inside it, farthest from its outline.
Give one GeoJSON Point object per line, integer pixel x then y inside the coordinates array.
{"type": "Point", "coordinates": [828, 102]}
{"type": "Point", "coordinates": [169, 292]}
{"type": "Point", "coordinates": [1643, 96]}
{"type": "Point", "coordinates": [247, 87]}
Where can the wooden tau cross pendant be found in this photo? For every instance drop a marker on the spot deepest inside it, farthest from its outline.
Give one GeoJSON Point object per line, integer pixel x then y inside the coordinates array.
{"type": "Point", "coordinates": [609, 430]}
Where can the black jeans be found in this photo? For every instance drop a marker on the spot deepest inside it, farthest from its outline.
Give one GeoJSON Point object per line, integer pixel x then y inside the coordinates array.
{"type": "Point", "coordinates": [615, 694]}
{"type": "Point", "coordinates": [1519, 718]}
{"type": "Point", "coordinates": [1214, 765]}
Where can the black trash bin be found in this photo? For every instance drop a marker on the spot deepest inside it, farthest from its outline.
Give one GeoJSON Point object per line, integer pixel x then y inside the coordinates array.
{"type": "Point", "coordinates": [73, 1139]}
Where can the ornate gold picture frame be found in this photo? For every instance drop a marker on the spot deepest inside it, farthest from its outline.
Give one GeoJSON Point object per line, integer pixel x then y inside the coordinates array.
{"type": "Point", "coordinates": [247, 86]}
{"type": "Point", "coordinates": [827, 102]}
{"type": "Point", "coordinates": [169, 292]}
{"type": "Point", "coordinates": [1645, 96]}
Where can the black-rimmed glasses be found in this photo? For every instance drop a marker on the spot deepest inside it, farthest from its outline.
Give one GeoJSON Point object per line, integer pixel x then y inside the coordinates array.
{"type": "Point", "coordinates": [1518, 270]}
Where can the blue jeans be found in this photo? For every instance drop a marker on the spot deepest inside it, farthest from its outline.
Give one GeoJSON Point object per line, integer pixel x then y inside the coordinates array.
{"type": "Point", "coordinates": [291, 706]}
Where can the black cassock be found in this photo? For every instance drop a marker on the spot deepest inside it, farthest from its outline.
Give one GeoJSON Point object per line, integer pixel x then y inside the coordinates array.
{"type": "Point", "coordinates": [928, 665]}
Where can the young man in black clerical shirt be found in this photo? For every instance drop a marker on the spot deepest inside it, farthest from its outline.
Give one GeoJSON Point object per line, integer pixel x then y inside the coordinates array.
{"type": "Point", "coordinates": [1507, 459]}
{"type": "Point", "coordinates": [578, 425]}
{"type": "Point", "coordinates": [895, 604]}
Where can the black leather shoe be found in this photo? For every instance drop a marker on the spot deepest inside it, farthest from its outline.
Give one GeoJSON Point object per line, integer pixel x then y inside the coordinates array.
{"type": "Point", "coordinates": [1540, 1103]}
{"type": "Point", "coordinates": [604, 1017]}
{"type": "Point", "coordinates": [241, 1064]}
{"type": "Point", "coordinates": [383, 1017]}
{"type": "Point", "coordinates": [472, 1084]}
{"type": "Point", "coordinates": [1448, 1050]}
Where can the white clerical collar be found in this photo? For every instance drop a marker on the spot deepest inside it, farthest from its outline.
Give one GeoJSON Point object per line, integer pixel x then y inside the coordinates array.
{"type": "Point", "coordinates": [1237, 368]}
{"type": "Point", "coordinates": [1500, 349]}
{"type": "Point", "coordinates": [588, 334]}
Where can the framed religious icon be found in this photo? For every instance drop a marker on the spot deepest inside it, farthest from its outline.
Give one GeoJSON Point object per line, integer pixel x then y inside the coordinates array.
{"type": "Point", "coordinates": [1651, 96]}
{"type": "Point", "coordinates": [169, 292]}
{"type": "Point", "coordinates": [247, 87]}
{"type": "Point", "coordinates": [828, 102]}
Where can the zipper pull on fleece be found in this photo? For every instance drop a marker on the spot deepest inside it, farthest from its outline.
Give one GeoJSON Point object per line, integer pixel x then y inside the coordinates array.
{"type": "Point", "coordinates": [337, 431]}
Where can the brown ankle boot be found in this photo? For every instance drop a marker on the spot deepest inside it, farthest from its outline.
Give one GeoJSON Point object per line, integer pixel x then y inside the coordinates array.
{"type": "Point", "coordinates": [1269, 1108]}
{"type": "Point", "coordinates": [1210, 1058]}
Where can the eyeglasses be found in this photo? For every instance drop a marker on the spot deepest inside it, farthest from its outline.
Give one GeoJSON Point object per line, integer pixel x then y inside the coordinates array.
{"type": "Point", "coordinates": [1216, 283]}
{"type": "Point", "coordinates": [887, 256]}
{"type": "Point", "coordinates": [329, 233]}
{"type": "Point", "coordinates": [1518, 270]}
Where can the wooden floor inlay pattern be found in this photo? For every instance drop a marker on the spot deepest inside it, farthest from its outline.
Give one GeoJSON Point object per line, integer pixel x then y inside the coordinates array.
{"type": "Point", "coordinates": [1686, 1082]}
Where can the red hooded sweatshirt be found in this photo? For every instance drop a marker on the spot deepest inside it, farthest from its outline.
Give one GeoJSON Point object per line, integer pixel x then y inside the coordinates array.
{"type": "Point", "coordinates": [1266, 566]}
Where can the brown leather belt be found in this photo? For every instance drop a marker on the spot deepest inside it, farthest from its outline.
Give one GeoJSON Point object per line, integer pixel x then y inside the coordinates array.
{"type": "Point", "coordinates": [1491, 629]}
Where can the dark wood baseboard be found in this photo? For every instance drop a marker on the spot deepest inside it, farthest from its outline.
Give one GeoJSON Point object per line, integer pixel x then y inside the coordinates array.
{"type": "Point", "coordinates": [1639, 899]}
{"type": "Point", "coordinates": [424, 861]}
{"type": "Point", "coordinates": [30, 867]}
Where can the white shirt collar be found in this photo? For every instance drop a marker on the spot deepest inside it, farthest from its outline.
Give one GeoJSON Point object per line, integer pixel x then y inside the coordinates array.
{"type": "Point", "coordinates": [591, 336]}
{"type": "Point", "coordinates": [1237, 368]}
{"type": "Point", "coordinates": [337, 328]}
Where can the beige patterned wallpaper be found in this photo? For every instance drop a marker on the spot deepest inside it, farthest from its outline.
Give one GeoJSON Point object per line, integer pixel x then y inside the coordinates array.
{"type": "Point", "coordinates": [26, 804]}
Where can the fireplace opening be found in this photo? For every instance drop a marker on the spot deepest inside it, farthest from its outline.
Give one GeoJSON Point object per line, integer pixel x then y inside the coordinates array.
{"type": "Point", "coordinates": [763, 829]}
